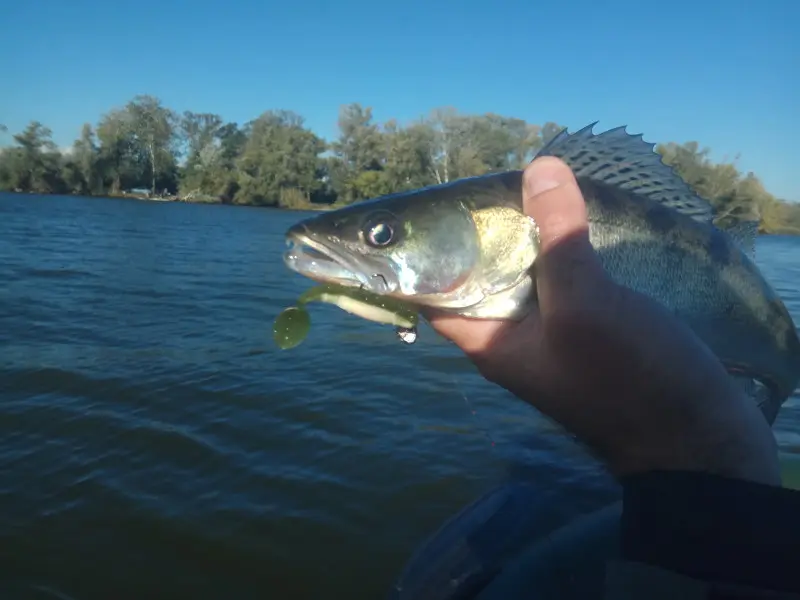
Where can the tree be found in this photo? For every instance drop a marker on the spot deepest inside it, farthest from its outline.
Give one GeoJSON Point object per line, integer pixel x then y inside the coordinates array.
{"type": "Point", "coordinates": [275, 160]}
{"type": "Point", "coordinates": [117, 156]}
{"type": "Point", "coordinates": [153, 129]}
{"type": "Point", "coordinates": [33, 163]}
{"type": "Point", "coordinates": [80, 169]}
{"type": "Point", "coordinates": [359, 149]}
{"type": "Point", "coordinates": [280, 155]}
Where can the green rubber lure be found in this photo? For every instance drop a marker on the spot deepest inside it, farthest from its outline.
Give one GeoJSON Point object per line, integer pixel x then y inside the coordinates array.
{"type": "Point", "coordinates": [291, 327]}
{"type": "Point", "coordinates": [293, 324]}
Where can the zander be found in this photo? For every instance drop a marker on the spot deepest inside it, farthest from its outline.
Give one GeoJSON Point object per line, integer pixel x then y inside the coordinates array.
{"type": "Point", "coordinates": [466, 247]}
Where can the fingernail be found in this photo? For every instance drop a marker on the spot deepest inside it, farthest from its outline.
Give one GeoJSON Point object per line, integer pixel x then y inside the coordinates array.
{"type": "Point", "coordinates": [547, 174]}
{"type": "Point", "coordinates": [540, 185]}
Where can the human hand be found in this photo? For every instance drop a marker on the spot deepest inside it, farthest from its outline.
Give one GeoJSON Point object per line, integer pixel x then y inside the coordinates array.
{"type": "Point", "coordinates": [612, 366]}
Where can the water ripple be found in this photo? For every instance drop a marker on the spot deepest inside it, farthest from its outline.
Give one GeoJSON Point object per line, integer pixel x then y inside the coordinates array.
{"type": "Point", "coordinates": [156, 444]}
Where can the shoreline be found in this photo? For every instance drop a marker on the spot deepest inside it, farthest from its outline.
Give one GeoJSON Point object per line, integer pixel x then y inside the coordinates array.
{"type": "Point", "coordinates": [176, 199]}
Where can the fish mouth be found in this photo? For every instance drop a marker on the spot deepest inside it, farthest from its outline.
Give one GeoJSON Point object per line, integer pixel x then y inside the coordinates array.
{"type": "Point", "coordinates": [326, 263]}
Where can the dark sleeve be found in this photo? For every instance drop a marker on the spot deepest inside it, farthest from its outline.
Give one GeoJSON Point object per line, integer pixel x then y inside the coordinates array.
{"type": "Point", "coordinates": [716, 537]}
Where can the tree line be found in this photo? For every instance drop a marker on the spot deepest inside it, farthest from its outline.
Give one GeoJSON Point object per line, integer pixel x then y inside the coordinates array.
{"type": "Point", "coordinates": [275, 160]}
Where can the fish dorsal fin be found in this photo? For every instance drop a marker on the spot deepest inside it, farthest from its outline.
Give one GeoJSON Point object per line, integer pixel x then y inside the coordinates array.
{"type": "Point", "coordinates": [618, 158]}
{"type": "Point", "coordinates": [744, 234]}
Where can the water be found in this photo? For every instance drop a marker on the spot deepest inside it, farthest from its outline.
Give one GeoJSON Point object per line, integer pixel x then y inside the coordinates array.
{"type": "Point", "coordinates": [155, 443]}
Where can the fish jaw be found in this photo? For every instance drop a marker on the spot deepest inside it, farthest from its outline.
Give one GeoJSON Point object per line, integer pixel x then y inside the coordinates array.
{"type": "Point", "coordinates": [324, 261]}
{"type": "Point", "coordinates": [432, 257]}
{"type": "Point", "coordinates": [512, 304]}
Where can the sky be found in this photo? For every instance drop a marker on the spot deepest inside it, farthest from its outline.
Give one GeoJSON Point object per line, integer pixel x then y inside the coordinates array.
{"type": "Point", "coordinates": [725, 74]}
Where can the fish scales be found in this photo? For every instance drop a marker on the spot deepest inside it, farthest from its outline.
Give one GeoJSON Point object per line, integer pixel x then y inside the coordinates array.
{"type": "Point", "coordinates": [466, 247]}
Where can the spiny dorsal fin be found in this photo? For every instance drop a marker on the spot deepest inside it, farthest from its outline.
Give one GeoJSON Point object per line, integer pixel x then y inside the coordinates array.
{"type": "Point", "coordinates": [744, 234]}
{"type": "Point", "coordinates": [618, 158]}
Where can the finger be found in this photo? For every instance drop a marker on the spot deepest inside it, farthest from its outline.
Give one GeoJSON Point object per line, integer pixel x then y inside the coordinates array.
{"type": "Point", "coordinates": [550, 195]}
{"type": "Point", "coordinates": [567, 266]}
{"type": "Point", "coordinates": [473, 336]}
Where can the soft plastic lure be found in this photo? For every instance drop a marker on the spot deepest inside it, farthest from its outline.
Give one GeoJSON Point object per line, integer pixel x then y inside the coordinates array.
{"type": "Point", "coordinates": [293, 324]}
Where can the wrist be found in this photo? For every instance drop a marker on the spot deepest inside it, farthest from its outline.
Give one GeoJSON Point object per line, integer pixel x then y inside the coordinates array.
{"type": "Point", "coordinates": [730, 438]}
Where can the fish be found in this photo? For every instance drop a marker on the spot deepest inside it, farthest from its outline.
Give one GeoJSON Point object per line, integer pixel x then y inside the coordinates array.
{"type": "Point", "coordinates": [466, 247]}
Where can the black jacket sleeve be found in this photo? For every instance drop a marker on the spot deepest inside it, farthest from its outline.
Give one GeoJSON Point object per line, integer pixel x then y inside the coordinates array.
{"type": "Point", "coordinates": [710, 536]}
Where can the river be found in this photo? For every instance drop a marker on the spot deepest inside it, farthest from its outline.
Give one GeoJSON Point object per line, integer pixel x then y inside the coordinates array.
{"type": "Point", "coordinates": [156, 444]}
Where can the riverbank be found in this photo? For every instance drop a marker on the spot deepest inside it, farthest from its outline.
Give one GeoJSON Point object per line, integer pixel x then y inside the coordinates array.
{"type": "Point", "coordinates": [305, 207]}
{"type": "Point", "coordinates": [186, 199]}
{"type": "Point", "coordinates": [195, 198]}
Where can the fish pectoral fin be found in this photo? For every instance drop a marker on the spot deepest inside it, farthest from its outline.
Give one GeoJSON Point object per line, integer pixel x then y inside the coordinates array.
{"type": "Point", "coordinates": [616, 157]}
{"type": "Point", "coordinates": [744, 234]}
{"type": "Point", "coordinates": [513, 303]}
{"type": "Point", "coordinates": [758, 393]}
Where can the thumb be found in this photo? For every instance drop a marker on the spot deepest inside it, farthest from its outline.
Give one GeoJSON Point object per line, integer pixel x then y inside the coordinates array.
{"type": "Point", "coordinates": [567, 267]}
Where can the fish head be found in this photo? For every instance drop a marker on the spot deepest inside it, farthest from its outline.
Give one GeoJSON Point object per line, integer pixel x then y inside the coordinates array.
{"type": "Point", "coordinates": [419, 246]}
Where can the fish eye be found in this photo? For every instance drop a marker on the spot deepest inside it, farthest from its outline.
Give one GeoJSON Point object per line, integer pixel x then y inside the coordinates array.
{"type": "Point", "coordinates": [380, 234]}
{"type": "Point", "coordinates": [381, 231]}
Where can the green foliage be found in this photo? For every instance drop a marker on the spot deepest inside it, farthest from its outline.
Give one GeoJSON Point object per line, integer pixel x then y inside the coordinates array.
{"type": "Point", "coordinates": [735, 196]}
{"type": "Point", "coordinates": [275, 160]}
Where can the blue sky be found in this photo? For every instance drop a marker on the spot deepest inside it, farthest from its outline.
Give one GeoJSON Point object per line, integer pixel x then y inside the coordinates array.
{"type": "Point", "coordinates": [726, 74]}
